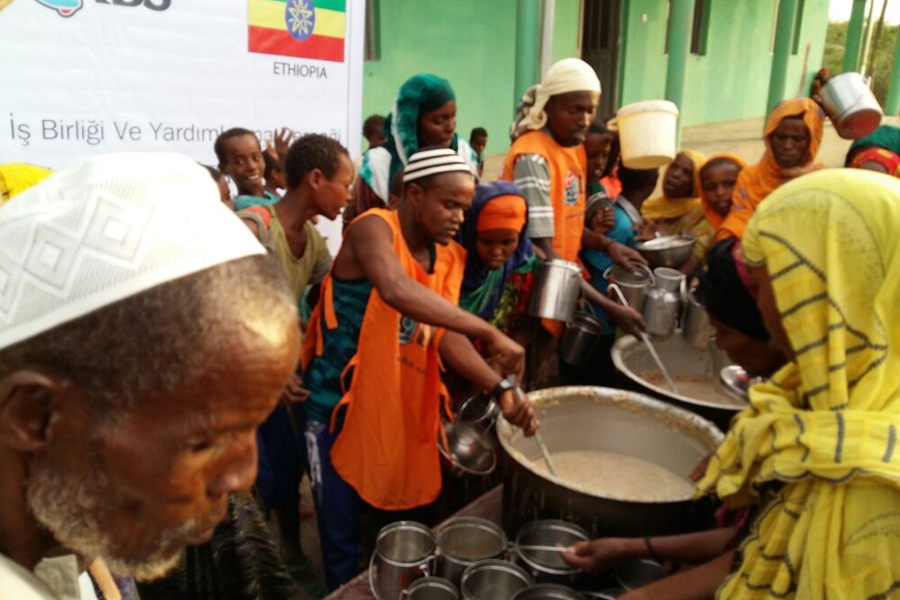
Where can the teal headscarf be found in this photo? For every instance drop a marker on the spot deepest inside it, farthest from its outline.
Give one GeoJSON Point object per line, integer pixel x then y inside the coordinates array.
{"type": "Point", "coordinates": [886, 136]}
{"type": "Point", "coordinates": [420, 94]}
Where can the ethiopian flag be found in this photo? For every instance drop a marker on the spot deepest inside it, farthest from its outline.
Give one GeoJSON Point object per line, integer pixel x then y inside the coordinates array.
{"type": "Point", "coordinates": [299, 28]}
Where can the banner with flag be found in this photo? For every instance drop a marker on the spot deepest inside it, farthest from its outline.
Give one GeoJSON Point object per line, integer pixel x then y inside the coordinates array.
{"type": "Point", "coordinates": [298, 28]}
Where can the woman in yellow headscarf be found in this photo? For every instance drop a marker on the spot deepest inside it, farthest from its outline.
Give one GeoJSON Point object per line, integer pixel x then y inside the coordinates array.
{"type": "Point", "coordinates": [674, 211]}
{"type": "Point", "coordinates": [793, 136]}
{"type": "Point", "coordinates": [15, 178]}
{"type": "Point", "coordinates": [821, 436]}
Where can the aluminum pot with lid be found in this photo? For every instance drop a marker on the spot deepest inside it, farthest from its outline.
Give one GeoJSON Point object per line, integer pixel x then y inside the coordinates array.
{"type": "Point", "coordinates": [595, 419]}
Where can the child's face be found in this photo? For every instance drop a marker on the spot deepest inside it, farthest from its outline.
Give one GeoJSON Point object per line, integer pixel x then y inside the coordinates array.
{"type": "Point", "coordinates": [479, 143]}
{"type": "Point", "coordinates": [718, 184]}
{"type": "Point", "coordinates": [496, 246]}
{"type": "Point", "coordinates": [596, 146]}
{"type": "Point", "coordinates": [244, 163]}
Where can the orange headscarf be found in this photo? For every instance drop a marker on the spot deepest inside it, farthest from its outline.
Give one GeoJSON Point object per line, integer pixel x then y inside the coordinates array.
{"type": "Point", "coordinates": [713, 217]}
{"type": "Point", "coordinates": [503, 212]}
{"type": "Point", "coordinates": [663, 207]}
{"type": "Point", "coordinates": [760, 180]}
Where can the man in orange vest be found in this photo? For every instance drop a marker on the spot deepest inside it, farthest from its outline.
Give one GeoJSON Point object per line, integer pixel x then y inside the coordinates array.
{"type": "Point", "coordinates": [548, 162]}
{"type": "Point", "coordinates": [386, 320]}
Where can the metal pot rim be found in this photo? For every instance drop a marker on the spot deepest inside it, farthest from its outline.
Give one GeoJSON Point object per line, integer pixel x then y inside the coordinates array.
{"type": "Point", "coordinates": [627, 342]}
{"type": "Point", "coordinates": [706, 430]}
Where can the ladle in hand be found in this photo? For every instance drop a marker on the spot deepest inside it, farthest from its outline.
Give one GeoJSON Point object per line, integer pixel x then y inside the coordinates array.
{"type": "Point", "coordinates": [646, 340]}
{"type": "Point", "coordinates": [538, 438]}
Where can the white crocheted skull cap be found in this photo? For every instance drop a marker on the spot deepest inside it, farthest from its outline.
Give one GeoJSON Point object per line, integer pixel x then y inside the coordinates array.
{"type": "Point", "coordinates": [105, 229]}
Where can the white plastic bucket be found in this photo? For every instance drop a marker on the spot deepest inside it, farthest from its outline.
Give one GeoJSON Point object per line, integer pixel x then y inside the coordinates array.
{"type": "Point", "coordinates": [647, 133]}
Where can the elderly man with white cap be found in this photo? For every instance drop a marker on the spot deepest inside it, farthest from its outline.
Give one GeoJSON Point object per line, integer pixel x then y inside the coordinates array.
{"type": "Point", "coordinates": [548, 162]}
{"type": "Point", "coordinates": [144, 336]}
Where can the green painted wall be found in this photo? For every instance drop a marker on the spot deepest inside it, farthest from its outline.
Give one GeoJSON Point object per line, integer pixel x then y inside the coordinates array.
{"type": "Point", "coordinates": [642, 68]}
{"type": "Point", "coordinates": [472, 43]}
{"type": "Point", "coordinates": [477, 56]}
{"type": "Point", "coordinates": [731, 81]}
{"type": "Point", "coordinates": [566, 29]}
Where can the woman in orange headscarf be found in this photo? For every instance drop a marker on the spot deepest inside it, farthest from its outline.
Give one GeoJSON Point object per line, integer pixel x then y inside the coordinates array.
{"type": "Point", "coordinates": [793, 136]}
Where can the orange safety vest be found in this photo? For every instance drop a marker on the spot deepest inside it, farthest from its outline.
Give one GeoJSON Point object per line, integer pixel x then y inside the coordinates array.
{"type": "Point", "coordinates": [387, 449]}
{"type": "Point", "coordinates": [568, 166]}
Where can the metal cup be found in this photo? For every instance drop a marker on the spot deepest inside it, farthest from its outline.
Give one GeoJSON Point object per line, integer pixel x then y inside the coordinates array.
{"type": "Point", "coordinates": [466, 540]}
{"type": "Point", "coordinates": [557, 288]}
{"type": "Point", "coordinates": [695, 325]}
{"type": "Point", "coordinates": [632, 284]}
{"type": "Point", "coordinates": [430, 588]}
{"type": "Point", "coordinates": [580, 340]}
{"type": "Point", "coordinates": [403, 553]}
{"type": "Point", "coordinates": [668, 279]}
{"type": "Point", "coordinates": [492, 579]}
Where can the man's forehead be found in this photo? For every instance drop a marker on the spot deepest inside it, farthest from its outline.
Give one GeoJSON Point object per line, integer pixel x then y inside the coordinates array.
{"type": "Point", "coordinates": [577, 97]}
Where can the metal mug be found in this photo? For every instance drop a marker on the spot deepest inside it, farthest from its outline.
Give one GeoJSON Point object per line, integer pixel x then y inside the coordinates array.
{"type": "Point", "coordinates": [533, 550]}
{"type": "Point", "coordinates": [660, 312]}
{"type": "Point", "coordinates": [403, 553]}
{"type": "Point", "coordinates": [547, 591]}
{"type": "Point", "coordinates": [430, 588]}
{"type": "Point", "coordinates": [580, 340]}
{"type": "Point", "coordinates": [695, 325]}
{"type": "Point", "coordinates": [668, 279]}
{"type": "Point", "coordinates": [463, 541]}
{"type": "Point", "coordinates": [492, 579]}
{"type": "Point", "coordinates": [632, 284]}
{"type": "Point", "coordinates": [557, 287]}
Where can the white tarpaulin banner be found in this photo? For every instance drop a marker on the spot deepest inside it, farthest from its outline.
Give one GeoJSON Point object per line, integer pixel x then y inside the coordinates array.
{"type": "Point", "coordinates": [84, 77]}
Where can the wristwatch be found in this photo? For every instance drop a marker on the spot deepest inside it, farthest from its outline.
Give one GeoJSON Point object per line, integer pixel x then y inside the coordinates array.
{"type": "Point", "coordinates": [504, 385]}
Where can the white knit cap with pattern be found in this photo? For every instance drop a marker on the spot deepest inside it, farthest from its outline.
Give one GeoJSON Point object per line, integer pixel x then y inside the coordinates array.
{"type": "Point", "coordinates": [426, 163]}
{"type": "Point", "coordinates": [106, 229]}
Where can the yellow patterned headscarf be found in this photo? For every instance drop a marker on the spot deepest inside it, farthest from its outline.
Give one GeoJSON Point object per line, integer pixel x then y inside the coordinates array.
{"type": "Point", "coordinates": [827, 424]}
{"type": "Point", "coordinates": [15, 178]}
{"type": "Point", "coordinates": [663, 207]}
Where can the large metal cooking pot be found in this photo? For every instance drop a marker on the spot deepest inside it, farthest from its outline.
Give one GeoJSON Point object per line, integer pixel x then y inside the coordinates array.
{"type": "Point", "coordinates": [608, 420]}
{"type": "Point", "coordinates": [851, 106]}
{"type": "Point", "coordinates": [632, 359]}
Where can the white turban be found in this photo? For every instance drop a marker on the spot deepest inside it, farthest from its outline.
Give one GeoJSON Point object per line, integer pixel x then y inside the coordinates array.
{"type": "Point", "coordinates": [567, 75]}
{"type": "Point", "coordinates": [108, 228]}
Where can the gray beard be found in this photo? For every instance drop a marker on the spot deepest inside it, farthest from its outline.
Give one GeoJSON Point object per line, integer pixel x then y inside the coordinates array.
{"type": "Point", "coordinates": [73, 510]}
